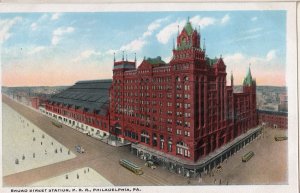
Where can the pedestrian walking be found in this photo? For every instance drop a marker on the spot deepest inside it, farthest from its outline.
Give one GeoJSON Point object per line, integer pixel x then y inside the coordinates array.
{"type": "Point", "coordinates": [33, 155]}
{"type": "Point", "coordinates": [23, 157]}
{"type": "Point", "coordinates": [77, 176]}
{"type": "Point", "coordinates": [215, 181]}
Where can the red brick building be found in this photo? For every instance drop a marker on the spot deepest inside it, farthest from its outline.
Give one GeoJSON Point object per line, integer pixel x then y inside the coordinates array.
{"type": "Point", "coordinates": [183, 109]}
{"type": "Point", "coordinates": [273, 119]}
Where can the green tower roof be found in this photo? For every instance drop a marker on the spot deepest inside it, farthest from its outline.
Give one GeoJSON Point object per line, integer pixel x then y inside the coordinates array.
{"type": "Point", "coordinates": [248, 79]}
{"type": "Point", "coordinates": [156, 60]}
{"type": "Point", "coordinates": [188, 28]}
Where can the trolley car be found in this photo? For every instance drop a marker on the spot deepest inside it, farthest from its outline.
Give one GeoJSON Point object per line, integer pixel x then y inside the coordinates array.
{"type": "Point", "coordinates": [247, 156]}
{"type": "Point", "coordinates": [280, 138]}
{"type": "Point", "coordinates": [56, 124]}
{"type": "Point", "coordinates": [130, 166]}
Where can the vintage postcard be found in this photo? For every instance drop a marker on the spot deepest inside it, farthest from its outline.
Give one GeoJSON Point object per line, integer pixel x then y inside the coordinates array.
{"type": "Point", "coordinates": [189, 97]}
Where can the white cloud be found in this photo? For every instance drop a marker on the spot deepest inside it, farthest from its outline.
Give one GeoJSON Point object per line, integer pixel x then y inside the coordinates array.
{"type": "Point", "coordinates": [238, 63]}
{"type": "Point", "coordinates": [202, 21]}
{"type": "Point", "coordinates": [225, 19]}
{"type": "Point", "coordinates": [59, 33]}
{"type": "Point", "coordinates": [167, 32]}
{"type": "Point", "coordinates": [253, 18]}
{"type": "Point", "coordinates": [36, 50]}
{"type": "Point", "coordinates": [55, 16]}
{"type": "Point", "coordinates": [86, 54]}
{"type": "Point", "coordinates": [248, 37]}
{"type": "Point", "coordinates": [237, 57]}
{"type": "Point", "coordinates": [111, 52]}
{"type": "Point", "coordinates": [5, 27]}
{"type": "Point", "coordinates": [33, 26]}
{"type": "Point", "coordinates": [62, 30]}
{"type": "Point", "coordinates": [254, 30]}
{"type": "Point", "coordinates": [134, 45]}
{"type": "Point", "coordinates": [170, 30]}
{"type": "Point", "coordinates": [153, 26]}
{"type": "Point", "coordinates": [271, 55]}
{"type": "Point", "coordinates": [138, 43]}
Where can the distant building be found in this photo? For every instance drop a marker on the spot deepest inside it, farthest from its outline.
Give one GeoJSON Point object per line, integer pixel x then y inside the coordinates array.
{"type": "Point", "coordinates": [35, 102]}
{"type": "Point", "coordinates": [273, 119]}
{"type": "Point", "coordinates": [182, 109]}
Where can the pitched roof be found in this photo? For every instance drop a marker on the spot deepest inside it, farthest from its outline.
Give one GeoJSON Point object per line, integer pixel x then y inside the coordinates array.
{"type": "Point", "coordinates": [188, 28]}
{"type": "Point", "coordinates": [91, 96]}
{"type": "Point", "coordinates": [248, 79]}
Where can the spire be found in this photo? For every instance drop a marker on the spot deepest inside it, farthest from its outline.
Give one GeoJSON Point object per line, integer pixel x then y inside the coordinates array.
{"type": "Point", "coordinates": [114, 57]}
{"type": "Point", "coordinates": [248, 80]}
{"type": "Point", "coordinates": [123, 56]}
{"type": "Point", "coordinates": [135, 60]}
{"type": "Point", "coordinates": [188, 27]}
{"type": "Point", "coordinates": [126, 58]}
{"type": "Point", "coordinates": [231, 78]}
{"type": "Point", "coordinates": [177, 30]}
{"type": "Point", "coordinates": [173, 44]}
{"type": "Point", "coordinates": [204, 47]}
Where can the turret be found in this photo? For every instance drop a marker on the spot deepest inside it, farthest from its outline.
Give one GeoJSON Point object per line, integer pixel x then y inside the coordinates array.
{"type": "Point", "coordinates": [249, 84]}
{"type": "Point", "coordinates": [124, 64]}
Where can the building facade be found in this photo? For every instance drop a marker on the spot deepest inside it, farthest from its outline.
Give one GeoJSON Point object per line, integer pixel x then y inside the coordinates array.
{"type": "Point", "coordinates": [273, 119]}
{"type": "Point", "coordinates": [183, 109]}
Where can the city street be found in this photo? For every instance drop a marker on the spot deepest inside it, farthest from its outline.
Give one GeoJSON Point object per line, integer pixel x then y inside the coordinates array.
{"type": "Point", "coordinates": [101, 157]}
{"type": "Point", "coordinates": [268, 166]}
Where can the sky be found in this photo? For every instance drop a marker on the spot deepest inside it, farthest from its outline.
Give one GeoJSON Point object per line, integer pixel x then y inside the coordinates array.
{"type": "Point", "coordinates": [49, 49]}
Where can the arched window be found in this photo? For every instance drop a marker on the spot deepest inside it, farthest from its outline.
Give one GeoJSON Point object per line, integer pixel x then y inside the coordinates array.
{"type": "Point", "coordinates": [177, 79]}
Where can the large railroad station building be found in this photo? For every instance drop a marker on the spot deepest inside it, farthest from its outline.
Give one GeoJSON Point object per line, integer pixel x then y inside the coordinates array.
{"type": "Point", "coordinates": [180, 112]}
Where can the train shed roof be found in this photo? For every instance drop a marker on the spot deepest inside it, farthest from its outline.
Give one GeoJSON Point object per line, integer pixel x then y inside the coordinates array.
{"type": "Point", "coordinates": [90, 96]}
